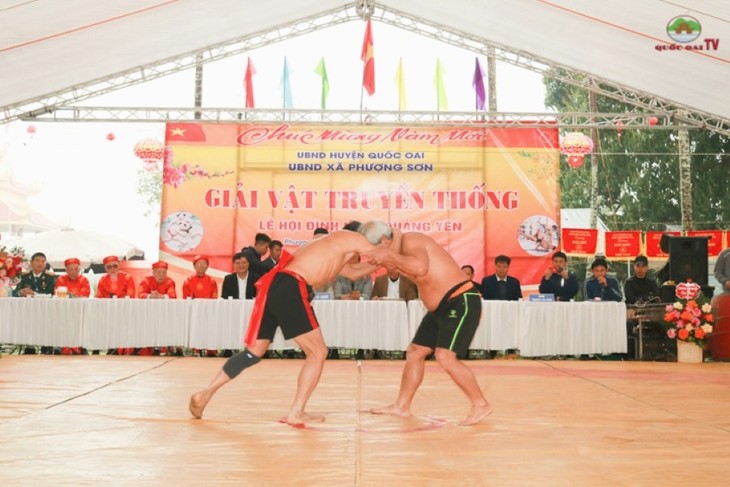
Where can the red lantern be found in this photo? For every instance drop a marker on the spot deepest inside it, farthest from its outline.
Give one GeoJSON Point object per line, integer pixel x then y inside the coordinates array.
{"type": "Point", "coordinates": [150, 151]}
{"type": "Point", "coordinates": [31, 129]}
{"type": "Point", "coordinates": [575, 145]}
{"type": "Point", "coordinates": [652, 121]}
{"type": "Point", "coordinates": [110, 136]}
{"type": "Point", "coordinates": [619, 128]}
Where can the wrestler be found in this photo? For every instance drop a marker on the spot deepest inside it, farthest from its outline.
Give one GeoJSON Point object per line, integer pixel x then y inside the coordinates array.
{"type": "Point", "coordinates": [283, 299]}
{"type": "Point", "coordinates": [454, 307]}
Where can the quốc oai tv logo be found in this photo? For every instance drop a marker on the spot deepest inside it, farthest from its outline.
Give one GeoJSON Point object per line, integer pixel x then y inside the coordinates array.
{"type": "Point", "coordinates": [684, 30]}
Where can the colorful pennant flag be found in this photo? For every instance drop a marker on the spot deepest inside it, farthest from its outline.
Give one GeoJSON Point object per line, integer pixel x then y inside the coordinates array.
{"type": "Point", "coordinates": [478, 84]}
{"type": "Point", "coordinates": [368, 74]}
{"type": "Point", "coordinates": [250, 71]}
{"type": "Point", "coordinates": [401, 84]}
{"type": "Point", "coordinates": [438, 83]}
{"type": "Point", "coordinates": [321, 70]}
{"type": "Point", "coordinates": [286, 87]}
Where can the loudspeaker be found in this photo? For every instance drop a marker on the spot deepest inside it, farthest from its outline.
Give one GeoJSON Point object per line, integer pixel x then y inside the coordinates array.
{"type": "Point", "coordinates": [688, 259]}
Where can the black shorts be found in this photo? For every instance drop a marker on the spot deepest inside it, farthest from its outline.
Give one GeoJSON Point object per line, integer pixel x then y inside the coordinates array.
{"type": "Point", "coordinates": [288, 306]}
{"type": "Point", "coordinates": [454, 322]}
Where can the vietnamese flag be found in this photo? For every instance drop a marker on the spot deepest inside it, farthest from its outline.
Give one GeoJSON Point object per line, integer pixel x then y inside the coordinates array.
{"type": "Point", "coordinates": [185, 132]}
{"type": "Point", "coordinates": [250, 71]}
{"type": "Point", "coordinates": [368, 74]}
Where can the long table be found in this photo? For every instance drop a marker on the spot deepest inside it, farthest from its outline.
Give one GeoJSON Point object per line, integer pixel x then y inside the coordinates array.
{"type": "Point", "coordinates": [536, 329]}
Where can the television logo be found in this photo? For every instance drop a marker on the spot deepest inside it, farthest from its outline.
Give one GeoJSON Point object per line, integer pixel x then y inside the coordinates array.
{"type": "Point", "coordinates": [683, 30]}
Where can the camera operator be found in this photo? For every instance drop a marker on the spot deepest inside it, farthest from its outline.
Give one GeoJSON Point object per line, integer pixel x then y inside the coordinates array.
{"type": "Point", "coordinates": [558, 280]}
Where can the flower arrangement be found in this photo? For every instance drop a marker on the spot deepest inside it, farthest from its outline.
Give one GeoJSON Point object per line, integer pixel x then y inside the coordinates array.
{"type": "Point", "coordinates": [11, 265]}
{"type": "Point", "coordinates": [690, 318]}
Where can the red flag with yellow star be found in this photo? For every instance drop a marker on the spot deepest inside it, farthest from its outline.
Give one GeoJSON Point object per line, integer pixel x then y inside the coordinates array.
{"type": "Point", "coordinates": [368, 74]}
{"type": "Point", "coordinates": [189, 132]}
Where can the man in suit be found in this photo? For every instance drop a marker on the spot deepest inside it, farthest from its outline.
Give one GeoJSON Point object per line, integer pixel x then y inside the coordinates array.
{"type": "Point", "coordinates": [394, 285]}
{"type": "Point", "coordinates": [240, 284]}
{"type": "Point", "coordinates": [499, 286]}
{"type": "Point", "coordinates": [274, 253]}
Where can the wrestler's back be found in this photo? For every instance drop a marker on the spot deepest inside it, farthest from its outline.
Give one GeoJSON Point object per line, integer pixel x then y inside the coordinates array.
{"type": "Point", "coordinates": [443, 272]}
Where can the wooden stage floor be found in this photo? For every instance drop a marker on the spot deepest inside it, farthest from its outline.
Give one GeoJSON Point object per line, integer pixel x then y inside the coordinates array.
{"type": "Point", "coordinates": [68, 420]}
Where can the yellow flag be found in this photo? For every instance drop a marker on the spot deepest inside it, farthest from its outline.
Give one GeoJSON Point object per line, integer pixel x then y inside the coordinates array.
{"type": "Point", "coordinates": [401, 84]}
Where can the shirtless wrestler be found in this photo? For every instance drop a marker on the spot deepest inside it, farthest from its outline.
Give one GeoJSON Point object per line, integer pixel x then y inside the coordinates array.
{"type": "Point", "coordinates": [454, 307]}
{"type": "Point", "coordinates": [283, 299]}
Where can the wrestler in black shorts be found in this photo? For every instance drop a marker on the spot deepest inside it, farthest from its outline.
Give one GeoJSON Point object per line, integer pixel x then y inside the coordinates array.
{"type": "Point", "coordinates": [454, 322]}
{"type": "Point", "coordinates": [288, 305]}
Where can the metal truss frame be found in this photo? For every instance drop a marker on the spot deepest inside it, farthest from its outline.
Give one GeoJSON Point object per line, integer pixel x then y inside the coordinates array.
{"type": "Point", "coordinates": [670, 115]}
{"type": "Point", "coordinates": [566, 121]}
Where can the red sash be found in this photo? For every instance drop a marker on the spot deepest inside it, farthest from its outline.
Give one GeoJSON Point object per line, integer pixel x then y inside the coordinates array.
{"type": "Point", "coordinates": [262, 291]}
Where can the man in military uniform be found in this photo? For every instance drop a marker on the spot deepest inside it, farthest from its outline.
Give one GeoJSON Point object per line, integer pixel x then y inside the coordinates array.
{"type": "Point", "coordinates": [36, 281]}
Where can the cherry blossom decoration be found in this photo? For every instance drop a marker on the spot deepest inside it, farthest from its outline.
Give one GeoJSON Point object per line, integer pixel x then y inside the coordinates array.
{"type": "Point", "coordinates": [576, 145]}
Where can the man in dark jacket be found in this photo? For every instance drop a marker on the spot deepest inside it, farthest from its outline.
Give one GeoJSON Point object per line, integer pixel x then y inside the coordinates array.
{"type": "Point", "coordinates": [499, 286]}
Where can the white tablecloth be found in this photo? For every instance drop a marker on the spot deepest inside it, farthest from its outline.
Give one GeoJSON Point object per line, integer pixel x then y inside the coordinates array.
{"type": "Point", "coordinates": [536, 329]}
{"type": "Point", "coordinates": [540, 329]}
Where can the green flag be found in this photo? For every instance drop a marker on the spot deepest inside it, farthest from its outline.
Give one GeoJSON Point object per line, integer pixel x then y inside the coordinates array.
{"type": "Point", "coordinates": [322, 71]}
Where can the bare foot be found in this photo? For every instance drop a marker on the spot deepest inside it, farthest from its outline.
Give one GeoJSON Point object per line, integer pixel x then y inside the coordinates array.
{"type": "Point", "coordinates": [198, 401]}
{"type": "Point", "coordinates": [477, 414]}
{"type": "Point", "coordinates": [303, 418]}
{"type": "Point", "coordinates": [393, 409]}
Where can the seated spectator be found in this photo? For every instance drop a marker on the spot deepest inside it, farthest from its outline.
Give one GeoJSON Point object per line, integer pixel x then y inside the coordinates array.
{"type": "Point", "coordinates": [275, 248]}
{"type": "Point", "coordinates": [76, 284]}
{"type": "Point", "coordinates": [115, 283]}
{"type": "Point", "coordinates": [395, 286]}
{"type": "Point", "coordinates": [558, 280]}
{"type": "Point", "coordinates": [158, 285]}
{"type": "Point", "coordinates": [348, 289]}
{"type": "Point", "coordinates": [499, 286]}
{"type": "Point", "coordinates": [240, 283]}
{"type": "Point", "coordinates": [639, 288]}
{"type": "Point", "coordinates": [469, 273]}
{"type": "Point", "coordinates": [601, 286]}
{"type": "Point", "coordinates": [37, 280]}
{"type": "Point", "coordinates": [200, 285]}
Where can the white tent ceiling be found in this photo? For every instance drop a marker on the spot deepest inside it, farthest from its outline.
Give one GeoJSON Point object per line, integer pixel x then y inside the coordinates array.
{"type": "Point", "coordinates": [47, 46]}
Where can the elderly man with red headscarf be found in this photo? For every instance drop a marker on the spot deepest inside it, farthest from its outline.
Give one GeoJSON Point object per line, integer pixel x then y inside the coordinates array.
{"type": "Point", "coordinates": [200, 285]}
{"type": "Point", "coordinates": [75, 283]}
{"type": "Point", "coordinates": [158, 285]}
{"type": "Point", "coordinates": [115, 283]}
{"type": "Point", "coordinates": [77, 286]}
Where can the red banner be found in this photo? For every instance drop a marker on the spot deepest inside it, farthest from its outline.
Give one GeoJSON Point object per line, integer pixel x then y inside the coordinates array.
{"type": "Point", "coordinates": [623, 244]}
{"type": "Point", "coordinates": [652, 243]}
{"type": "Point", "coordinates": [580, 241]}
{"type": "Point", "coordinates": [714, 244]}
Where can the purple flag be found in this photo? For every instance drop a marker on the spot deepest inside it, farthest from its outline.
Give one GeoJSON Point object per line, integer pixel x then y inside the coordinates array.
{"type": "Point", "coordinates": [478, 84]}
